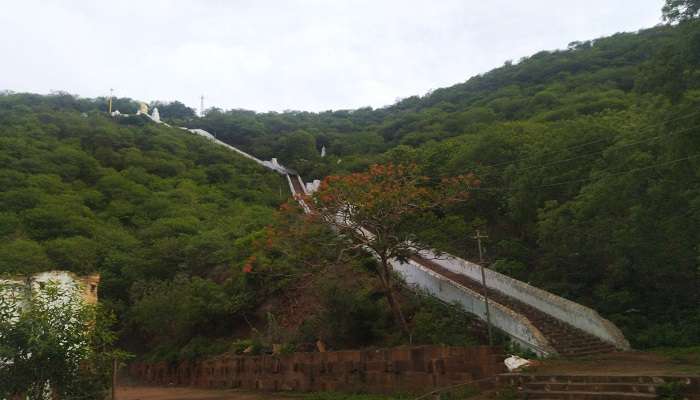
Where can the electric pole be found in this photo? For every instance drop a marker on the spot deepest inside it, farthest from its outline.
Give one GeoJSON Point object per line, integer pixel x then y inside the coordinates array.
{"type": "Point", "coordinates": [201, 105]}
{"type": "Point", "coordinates": [111, 92]}
{"type": "Point", "coordinates": [115, 366]}
{"type": "Point", "coordinates": [478, 238]}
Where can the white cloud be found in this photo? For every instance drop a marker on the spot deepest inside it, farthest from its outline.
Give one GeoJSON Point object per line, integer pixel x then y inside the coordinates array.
{"type": "Point", "coordinates": [296, 54]}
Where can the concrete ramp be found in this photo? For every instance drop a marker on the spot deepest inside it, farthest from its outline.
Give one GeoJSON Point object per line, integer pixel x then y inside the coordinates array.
{"type": "Point", "coordinates": [582, 332]}
{"type": "Point", "coordinates": [537, 320]}
{"type": "Point", "coordinates": [534, 318]}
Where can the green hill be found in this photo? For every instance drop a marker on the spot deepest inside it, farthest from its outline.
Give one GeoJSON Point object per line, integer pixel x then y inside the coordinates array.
{"type": "Point", "coordinates": [589, 162]}
{"type": "Point", "coordinates": [133, 200]}
{"type": "Point", "coordinates": [186, 236]}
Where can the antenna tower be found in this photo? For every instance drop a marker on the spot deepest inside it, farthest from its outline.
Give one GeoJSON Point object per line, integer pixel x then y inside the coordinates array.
{"type": "Point", "coordinates": [111, 92]}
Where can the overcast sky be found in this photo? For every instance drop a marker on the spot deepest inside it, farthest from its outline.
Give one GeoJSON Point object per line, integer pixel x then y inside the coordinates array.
{"type": "Point", "coordinates": [296, 54]}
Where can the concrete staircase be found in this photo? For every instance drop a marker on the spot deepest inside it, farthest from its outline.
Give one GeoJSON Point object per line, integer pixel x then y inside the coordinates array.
{"type": "Point", "coordinates": [590, 387]}
{"type": "Point", "coordinates": [297, 187]}
{"type": "Point", "coordinates": [537, 317]}
{"type": "Point", "coordinates": [567, 340]}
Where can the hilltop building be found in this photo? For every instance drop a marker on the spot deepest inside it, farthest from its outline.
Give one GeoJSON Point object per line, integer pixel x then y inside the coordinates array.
{"type": "Point", "coordinates": [68, 281]}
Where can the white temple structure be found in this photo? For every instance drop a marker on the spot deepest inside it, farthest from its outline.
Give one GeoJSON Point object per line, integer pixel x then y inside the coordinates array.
{"type": "Point", "coordinates": [312, 187]}
{"type": "Point", "coordinates": [143, 109]}
{"type": "Point", "coordinates": [155, 116]}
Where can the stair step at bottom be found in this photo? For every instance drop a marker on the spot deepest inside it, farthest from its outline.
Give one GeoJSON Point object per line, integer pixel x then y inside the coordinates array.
{"type": "Point", "coordinates": [561, 335]}
{"type": "Point", "coordinates": [584, 353]}
{"type": "Point", "coordinates": [579, 395]}
{"type": "Point", "coordinates": [646, 388]}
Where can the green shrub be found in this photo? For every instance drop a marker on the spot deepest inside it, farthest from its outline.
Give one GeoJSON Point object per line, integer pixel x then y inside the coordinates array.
{"type": "Point", "coordinates": [671, 391]}
{"type": "Point", "coordinates": [438, 323]}
{"type": "Point", "coordinates": [350, 317]}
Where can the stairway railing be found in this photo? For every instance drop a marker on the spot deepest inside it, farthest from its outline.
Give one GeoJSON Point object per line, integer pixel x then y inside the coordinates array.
{"type": "Point", "coordinates": [574, 314]}
{"type": "Point", "coordinates": [514, 324]}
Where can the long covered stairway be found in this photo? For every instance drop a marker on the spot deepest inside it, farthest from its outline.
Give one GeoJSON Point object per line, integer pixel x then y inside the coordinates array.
{"type": "Point", "coordinates": [567, 340]}
{"type": "Point", "coordinates": [534, 318]}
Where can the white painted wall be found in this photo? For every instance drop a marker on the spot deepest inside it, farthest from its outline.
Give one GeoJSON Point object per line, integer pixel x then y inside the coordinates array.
{"type": "Point", "coordinates": [312, 187]}
{"type": "Point", "coordinates": [67, 283]}
{"type": "Point", "coordinates": [271, 164]}
{"type": "Point", "coordinates": [296, 195]}
{"type": "Point", "coordinates": [518, 327]}
{"type": "Point", "coordinates": [577, 315]}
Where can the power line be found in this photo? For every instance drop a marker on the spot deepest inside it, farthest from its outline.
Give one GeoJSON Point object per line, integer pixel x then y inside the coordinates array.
{"type": "Point", "coordinates": [609, 149]}
{"type": "Point", "coordinates": [570, 225]}
{"type": "Point", "coordinates": [626, 172]}
{"type": "Point", "coordinates": [587, 179]}
{"type": "Point", "coordinates": [626, 145]}
{"type": "Point", "coordinates": [582, 156]}
{"type": "Point", "coordinates": [648, 127]}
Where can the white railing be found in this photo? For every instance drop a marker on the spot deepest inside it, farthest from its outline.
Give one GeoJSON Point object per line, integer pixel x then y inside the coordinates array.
{"type": "Point", "coordinates": [574, 314]}
{"type": "Point", "coordinates": [513, 324]}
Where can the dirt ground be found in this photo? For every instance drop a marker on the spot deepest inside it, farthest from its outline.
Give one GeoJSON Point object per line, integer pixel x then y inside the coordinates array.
{"type": "Point", "coordinates": [622, 363]}
{"type": "Point", "coordinates": [179, 393]}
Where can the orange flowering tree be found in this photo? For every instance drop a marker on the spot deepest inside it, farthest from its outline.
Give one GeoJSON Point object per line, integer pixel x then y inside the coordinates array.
{"type": "Point", "coordinates": [376, 210]}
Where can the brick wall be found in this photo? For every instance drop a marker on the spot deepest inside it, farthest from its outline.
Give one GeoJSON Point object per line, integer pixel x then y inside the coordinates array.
{"type": "Point", "coordinates": [401, 369]}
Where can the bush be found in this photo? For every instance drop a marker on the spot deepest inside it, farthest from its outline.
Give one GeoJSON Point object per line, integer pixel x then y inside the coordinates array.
{"type": "Point", "coordinates": [437, 323]}
{"type": "Point", "coordinates": [350, 318]}
{"type": "Point", "coordinates": [671, 391]}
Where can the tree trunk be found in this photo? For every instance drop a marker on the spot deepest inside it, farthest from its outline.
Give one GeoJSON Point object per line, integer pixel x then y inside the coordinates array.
{"type": "Point", "coordinates": [385, 276]}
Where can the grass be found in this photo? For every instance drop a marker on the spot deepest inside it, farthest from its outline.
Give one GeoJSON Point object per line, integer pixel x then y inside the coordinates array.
{"type": "Point", "coordinates": [353, 396]}
{"type": "Point", "coordinates": [681, 355]}
{"type": "Point", "coordinates": [463, 392]}
{"type": "Point", "coordinates": [459, 393]}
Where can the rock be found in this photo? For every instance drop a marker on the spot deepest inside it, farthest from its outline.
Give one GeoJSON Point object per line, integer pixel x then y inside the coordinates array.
{"type": "Point", "coordinates": [514, 363]}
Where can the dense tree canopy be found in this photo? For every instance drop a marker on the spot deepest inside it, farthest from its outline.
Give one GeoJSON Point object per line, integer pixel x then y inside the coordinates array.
{"type": "Point", "coordinates": [142, 204]}
{"type": "Point", "coordinates": [174, 111]}
{"type": "Point", "coordinates": [52, 341]}
{"type": "Point", "coordinates": [378, 210]}
{"type": "Point", "coordinates": [678, 10]}
{"type": "Point", "coordinates": [587, 158]}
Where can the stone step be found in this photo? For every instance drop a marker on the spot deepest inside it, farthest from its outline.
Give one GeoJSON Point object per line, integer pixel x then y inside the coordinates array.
{"type": "Point", "coordinates": [584, 353]}
{"type": "Point", "coordinates": [569, 334]}
{"type": "Point", "coordinates": [584, 348]}
{"type": "Point", "coordinates": [575, 338]}
{"type": "Point", "coordinates": [580, 341]}
{"type": "Point", "coordinates": [647, 388]}
{"type": "Point", "coordinates": [538, 394]}
{"type": "Point", "coordinates": [566, 339]}
{"type": "Point", "coordinates": [516, 378]}
{"type": "Point", "coordinates": [583, 387]}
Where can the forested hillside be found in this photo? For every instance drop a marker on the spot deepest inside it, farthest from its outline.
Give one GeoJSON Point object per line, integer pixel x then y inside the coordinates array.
{"type": "Point", "coordinates": [588, 158]}
{"type": "Point", "coordinates": [589, 162]}
{"type": "Point", "coordinates": [142, 204]}
{"type": "Point", "coordinates": [195, 257]}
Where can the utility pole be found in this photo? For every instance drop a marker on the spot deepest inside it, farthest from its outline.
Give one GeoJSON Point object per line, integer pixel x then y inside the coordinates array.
{"type": "Point", "coordinates": [201, 105]}
{"type": "Point", "coordinates": [478, 238]}
{"type": "Point", "coordinates": [114, 378]}
{"type": "Point", "coordinates": [111, 91]}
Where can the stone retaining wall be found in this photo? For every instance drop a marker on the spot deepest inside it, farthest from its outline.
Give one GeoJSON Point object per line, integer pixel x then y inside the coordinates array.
{"type": "Point", "coordinates": [396, 370]}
